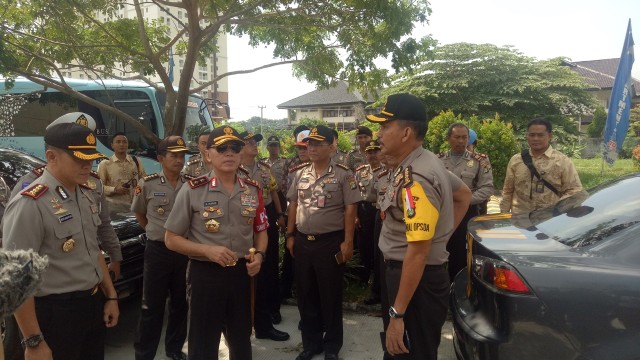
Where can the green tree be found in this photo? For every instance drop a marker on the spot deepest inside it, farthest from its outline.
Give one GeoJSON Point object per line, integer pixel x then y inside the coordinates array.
{"type": "Point", "coordinates": [484, 80]}
{"type": "Point", "coordinates": [497, 139]}
{"type": "Point", "coordinates": [325, 41]}
{"type": "Point", "coordinates": [596, 127]}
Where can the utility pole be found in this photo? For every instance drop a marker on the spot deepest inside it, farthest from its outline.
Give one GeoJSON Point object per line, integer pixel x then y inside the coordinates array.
{"type": "Point", "coordinates": [261, 108]}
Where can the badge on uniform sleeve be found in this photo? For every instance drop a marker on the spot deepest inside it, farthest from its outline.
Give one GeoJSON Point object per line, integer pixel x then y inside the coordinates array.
{"type": "Point", "coordinates": [420, 215]}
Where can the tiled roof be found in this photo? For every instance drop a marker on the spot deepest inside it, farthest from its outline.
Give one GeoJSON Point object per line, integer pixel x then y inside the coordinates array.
{"type": "Point", "coordinates": [338, 95]}
{"type": "Point", "coordinates": [599, 74]}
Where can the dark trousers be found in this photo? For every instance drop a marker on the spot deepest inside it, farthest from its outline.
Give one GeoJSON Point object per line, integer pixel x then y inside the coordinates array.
{"type": "Point", "coordinates": [457, 245]}
{"type": "Point", "coordinates": [220, 300]}
{"type": "Point", "coordinates": [427, 310]}
{"type": "Point", "coordinates": [286, 279]}
{"type": "Point", "coordinates": [12, 348]}
{"type": "Point", "coordinates": [319, 291]}
{"type": "Point", "coordinates": [164, 275]}
{"type": "Point", "coordinates": [379, 282]}
{"type": "Point", "coordinates": [366, 239]}
{"type": "Point", "coordinates": [72, 325]}
{"type": "Point", "coordinates": [268, 290]}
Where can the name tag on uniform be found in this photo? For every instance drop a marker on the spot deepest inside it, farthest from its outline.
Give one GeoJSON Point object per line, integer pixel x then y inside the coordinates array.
{"type": "Point", "coordinates": [64, 218]}
{"type": "Point", "coordinates": [321, 201]}
{"type": "Point", "coordinates": [539, 186]}
{"type": "Point", "coordinates": [210, 203]}
{"type": "Point", "coordinates": [159, 194]}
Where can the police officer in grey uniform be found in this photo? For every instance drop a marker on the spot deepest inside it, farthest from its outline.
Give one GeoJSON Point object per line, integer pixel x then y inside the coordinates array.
{"type": "Point", "coordinates": [422, 204]}
{"type": "Point", "coordinates": [197, 164]}
{"type": "Point", "coordinates": [164, 270]}
{"type": "Point", "coordinates": [320, 231]}
{"type": "Point", "coordinates": [268, 293]}
{"type": "Point", "coordinates": [338, 156]}
{"type": "Point", "coordinates": [475, 171]}
{"type": "Point", "coordinates": [58, 216]}
{"type": "Point", "coordinates": [224, 217]}
{"type": "Point", "coordinates": [357, 156]}
{"type": "Point", "coordinates": [366, 178]}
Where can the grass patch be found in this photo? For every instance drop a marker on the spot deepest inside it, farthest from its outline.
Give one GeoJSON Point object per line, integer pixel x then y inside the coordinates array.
{"type": "Point", "coordinates": [592, 173]}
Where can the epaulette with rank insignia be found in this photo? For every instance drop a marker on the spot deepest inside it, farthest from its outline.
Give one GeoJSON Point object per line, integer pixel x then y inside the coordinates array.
{"type": "Point", "coordinates": [193, 160]}
{"type": "Point", "coordinates": [188, 177]}
{"type": "Point", "coordinates": [441, 155]}
{"type": "Point", "coordinates": [298, 167]}
{"type": "Point", "coordinates": [407, 177]}
{"type": "Point", "coordinates": [35, 191]}
{"type": "Point", "coordinates": [264, 163]}
{"type": "Point", "coordinates": [479, 156]}
{"type": "Point", "coordinates": [244, 170]}
{"type": "Point", "coordinates": [251, 182]}
{"type": "Point", "coordinates": [94, 174]}
{"type": "Point", "coordinates": [85, 186]}
{"type": "Point", "coordinates": [343, 166]}
{"type": "Point", "coordinates": [376, 169]}
{"type": "Point", "coordinates": [361, 167]}
{"type": "Point", "coordinates": [383, 173]}
{"type": "Point", "coordinates": [197, 182]}
{"type": "Point", "coordinates": [39, 170]}
{"type": "Point", "coordinates": [151, 177]}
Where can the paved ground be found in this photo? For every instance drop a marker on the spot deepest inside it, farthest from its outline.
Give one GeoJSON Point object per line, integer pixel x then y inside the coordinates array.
{"type": "Point", "coordinates": [361, 337]}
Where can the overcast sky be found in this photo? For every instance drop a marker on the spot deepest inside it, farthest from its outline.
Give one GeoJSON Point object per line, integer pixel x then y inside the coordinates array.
{"type": "Point", "coordinates": [577, 29]}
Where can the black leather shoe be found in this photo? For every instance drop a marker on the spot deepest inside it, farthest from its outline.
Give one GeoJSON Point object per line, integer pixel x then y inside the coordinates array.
{"type": "Point", "coordinates": [329, 356]}
{"type": "Point", "coordinates": [276, 318]}
{"type": "Point", "coordinates": [177, 356]}
{"type": "Point", "coordinates": [307, 355]}
{"type": "Point", "coordinates": [273, 334]}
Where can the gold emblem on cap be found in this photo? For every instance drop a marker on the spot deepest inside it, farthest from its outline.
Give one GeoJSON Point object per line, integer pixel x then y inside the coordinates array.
{"type": "Point", "coordinates": [68, 245]}
{"type": "Point", "coordinates": [180, 142]}
{"type": "Point", "coordinates": [314, 131]}
{"type": "Point", "coordinates": [212, 226]}
{"type": "Point", "coordinates": [228, 130]}
{"type": "Point", "coordinates": [91, 140]}
{"type": "Point", "coordinates": [82, 120]}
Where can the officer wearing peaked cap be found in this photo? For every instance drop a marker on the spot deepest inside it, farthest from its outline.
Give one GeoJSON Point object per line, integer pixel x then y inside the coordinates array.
{"type": "Point", "coordinates": [320, 238]}
{"type": "Point", "coordinates": [421, 203]}
{"type": "Point", "coordinates": [224, 216]}
{"type": "Point", "coordinates": [164, 270]}
{"type": "Point", "coordinates": [198, 164]}
{"type": "Point", "coordinates": [357, 156]}
{"type": "Point", "coordinates": [58, 216]}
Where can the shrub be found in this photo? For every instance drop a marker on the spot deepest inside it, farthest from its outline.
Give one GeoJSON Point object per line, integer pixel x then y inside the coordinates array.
{"type": "Point", "coordinates": [497, 140]}
{"type": "Point", "coordinates": [596, 127]}
{"type": "Point", "coordinates": [636, 156]}
{"type": "Point", "coordinates": [435, 140]}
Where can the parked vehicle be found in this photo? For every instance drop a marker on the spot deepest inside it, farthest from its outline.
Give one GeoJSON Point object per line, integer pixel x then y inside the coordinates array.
{"type": "Point", "coordinates": [33, 108]}
{"type": "Point", "coordinates": [14, 164]}
{"type": "Point", "coordinates": [557, 283]}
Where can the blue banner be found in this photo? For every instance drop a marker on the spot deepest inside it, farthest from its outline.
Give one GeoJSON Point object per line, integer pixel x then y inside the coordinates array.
{"type": "Point", "coordinates": [620, 103]}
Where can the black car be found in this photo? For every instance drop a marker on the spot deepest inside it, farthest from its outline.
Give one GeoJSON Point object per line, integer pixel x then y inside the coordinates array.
{"type": "Point", "coordinates": [14, 164]}
{"type": "Point", "coordinates": [557, 283]}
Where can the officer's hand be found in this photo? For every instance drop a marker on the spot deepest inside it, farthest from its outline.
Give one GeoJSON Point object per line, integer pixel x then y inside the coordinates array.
{"type": "Point", "coordinates": [281, 223]}
{"type": "Point", "coordinates": [253, 267]}
{"type": "Point", "coordinates": [221, 255]}
{"type": "Point", "coordinates": [114, 267]}
{"type": "Point", "coordinates": [121, 190]}
{"type": "Point", "coordinates": [347, 250]}
{"type": "Point", "coordinates": [111, 313]}
{"type": "Point", "coordinates": [290, 240]}
{"type": "Point", "coordinates": [395, 343]}
{"type": "Point", "coordinates": [40, 352]}
{"type": "Point", "coordinates": [358, 225]}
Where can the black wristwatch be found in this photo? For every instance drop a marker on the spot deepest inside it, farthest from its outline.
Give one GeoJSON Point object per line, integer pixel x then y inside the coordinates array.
{"type": "Point", "coordinates": [394, 314]}
{"type": "Point", "coordinates": [32, 341]}
{"type": "Point", "coordinates": [264, 257]}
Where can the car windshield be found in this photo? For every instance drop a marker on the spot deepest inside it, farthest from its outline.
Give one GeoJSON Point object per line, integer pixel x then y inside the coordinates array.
{"type": "Point", "coordinates": [587, 218]}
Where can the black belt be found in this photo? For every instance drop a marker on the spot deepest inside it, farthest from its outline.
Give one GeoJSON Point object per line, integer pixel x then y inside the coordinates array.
{"type": "Point", "coordinates": [395, 264]}
{"type": "Point", "coordinates": [73, 294]}
{"type": "Point", "coordinates": [314, 237]}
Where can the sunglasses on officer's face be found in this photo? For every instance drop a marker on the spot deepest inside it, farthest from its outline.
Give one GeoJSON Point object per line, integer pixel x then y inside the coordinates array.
{"type": "Point", "coordinates": [235, 148]}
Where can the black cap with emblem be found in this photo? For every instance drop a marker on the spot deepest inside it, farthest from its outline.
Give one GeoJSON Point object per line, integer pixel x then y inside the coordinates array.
{"type": "Point", "coordinates": [173, 143]}
{"type": "Point", "coordinates": [77, 140]}
{"type": "Point", "coordinates": [372, 145]}
{"type": "Point", "coordinates": [320, 133]}
{"type": "Point", "coordinates": [401, 107]}
{"type": "Point", "coordinates": [223, 134]}
{"type": "Point", "coordinates": [248, 135]}
{"type": "Point", "coordinates": [273, 140]}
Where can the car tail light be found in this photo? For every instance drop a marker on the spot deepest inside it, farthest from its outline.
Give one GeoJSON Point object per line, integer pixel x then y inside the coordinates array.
{"type": "Point", "coordinates": [499, 275]}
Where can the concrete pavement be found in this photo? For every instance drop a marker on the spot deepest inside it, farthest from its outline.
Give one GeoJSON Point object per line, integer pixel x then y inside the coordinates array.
{"type": "Point", "coordinates": [361, 337]}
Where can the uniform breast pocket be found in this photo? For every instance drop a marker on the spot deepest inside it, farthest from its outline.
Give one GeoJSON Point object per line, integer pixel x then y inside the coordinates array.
{"type": "Point", "coordinates": [249, 211]}
{"type": "Point", "coordinates": [159, 206]}
{"type": "Point", "coordinates": [303, 189]}
{"type": "Point", "coordinates": [467, 177]}
{"type": "Point", "coordinates": [332, 192]}
{"type": "Point", "coordinates": [66, 230]}
{"type": "Point", "coordinates": [96, 220]}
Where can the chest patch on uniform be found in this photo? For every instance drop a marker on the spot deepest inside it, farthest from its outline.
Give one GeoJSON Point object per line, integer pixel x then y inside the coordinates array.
{"type": "Point", "coordinates": [210, 203]}
{"type": "Point", "coordinates": [64, 218]}
{"type": "Point", "coordinates": [248, 200]}
{"type": "Point", "coordinates": [159, 194]}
